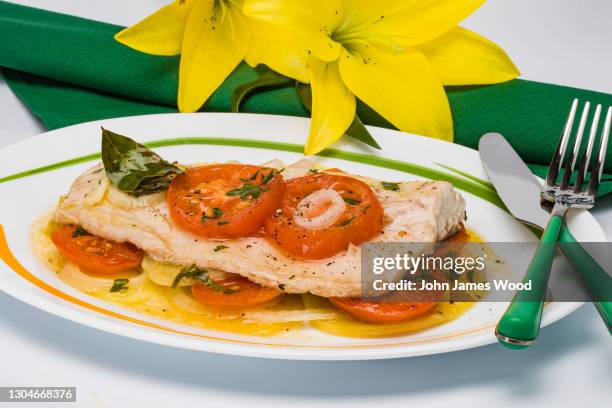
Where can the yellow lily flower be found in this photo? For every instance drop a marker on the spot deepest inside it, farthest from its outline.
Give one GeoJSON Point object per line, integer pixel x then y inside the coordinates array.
{"type": "Point", "coordinates": [394, 55]}
{"type": "Point", "coordinates": [212, 37]}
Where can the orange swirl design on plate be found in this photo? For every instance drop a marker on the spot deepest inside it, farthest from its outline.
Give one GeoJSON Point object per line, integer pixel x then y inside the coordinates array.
{"type": "Point", "coordinates": [11, 261]}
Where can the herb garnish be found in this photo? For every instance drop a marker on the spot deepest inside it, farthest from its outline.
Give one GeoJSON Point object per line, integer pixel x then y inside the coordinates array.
{"type": "Point", "coordinates": [351, 201]}
{"type": "Point", "coordinates": [266, 178]}
{"type": "Point", "coordinates": [193, 272]}
{"type": "Point", "coordinates": [247, 191]}
{"type": "Point", "coordinates": [346, 222]}
{"type": "Point", "coordinates": [216, 213]}
{"type": "Point", "coordinates": [390, 186]}
{"type": "Point", "coordinates": [79, 232]}
{"type": "Point", "coordinates": [134, 168]}
{"type": "Point", "coordinates": [365, 208]}
{"type": "Point", "coordinates": [119, 285]}
{"type": "Point", "coordinates": [223, 222]}
{"type": "Point", "coordinates": [220, 248]}
{"type": "Point", "coordinates": [252, 178]}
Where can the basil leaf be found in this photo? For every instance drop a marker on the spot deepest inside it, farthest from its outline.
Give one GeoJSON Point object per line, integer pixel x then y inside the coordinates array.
{"type": "Point", "coordinates": [357, 130]}
{"type": "Point", "coordinates": [193, 272]}
{"type": "Point", "coordinates": [119, 285]}
{"type": "Point", "coordinates": [268, 79]}
{"type": "Point", "coordinates": [134, 168]}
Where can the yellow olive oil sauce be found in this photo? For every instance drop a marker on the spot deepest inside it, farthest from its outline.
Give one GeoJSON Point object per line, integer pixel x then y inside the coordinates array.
{"type": "Point", "coordinates": [142, 295]}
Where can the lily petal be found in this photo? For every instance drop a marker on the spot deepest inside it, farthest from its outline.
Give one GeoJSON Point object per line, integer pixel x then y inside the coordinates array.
{"type": "Point", "coordinates": [462, 57]}
{"type": "Point", "coordinates": [161, 33]}
{"type": "Point", "coordinates": [406, 23]}
{"type": "Point", "coordinates": [310, 23]}
{"type": "Point", "coordinates": [280, 55]}
{"type": "Point", "coordinates": [216, 40]}
{"type": "Point", "coordinates": [403, 88]}
{"type": "Point", "coordinates": [333, 106]}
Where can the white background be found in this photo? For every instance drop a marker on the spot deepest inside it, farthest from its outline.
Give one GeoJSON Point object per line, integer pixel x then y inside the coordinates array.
{"type": "Point", "coordinates": [557, 41]}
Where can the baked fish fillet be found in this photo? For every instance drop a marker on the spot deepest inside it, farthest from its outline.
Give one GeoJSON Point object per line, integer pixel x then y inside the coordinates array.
{"type": "Point", "coordinates": [424, 212]}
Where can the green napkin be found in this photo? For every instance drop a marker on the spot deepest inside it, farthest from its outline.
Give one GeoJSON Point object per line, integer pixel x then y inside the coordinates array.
{"type": "Point", "coordinates": [69, 70]}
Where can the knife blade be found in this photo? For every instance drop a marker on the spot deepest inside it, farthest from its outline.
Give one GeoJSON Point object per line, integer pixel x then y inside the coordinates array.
{"type": "Point", "coordinates": [520, 192]}
{"type": "Point", "coordinates": [514, 182]}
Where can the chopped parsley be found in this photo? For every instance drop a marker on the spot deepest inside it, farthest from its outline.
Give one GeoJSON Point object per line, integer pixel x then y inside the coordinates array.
{"type": "Point", "coordinates": [79, 232]}
{"type": "Point", "coordinates": [119, 285]}
{"type": "Point", "coordinates": [252, 178]}
{"type": "Point", "coordinates": [247, 191]}
{"type": "Point", "coordinates": [346, 222]}
{"type": "Point", "coordinates": [265, 179]}
{"type": "Point", "coordinates": [351, 201]}
{"type": "Point", "coordinates": [313, 171]}
{"type": "Point", "coordinates": [216, 213]}
{"type": "Point", "coordinates": [365, 208]}
{"type": "Point", "coordinates": [220, 248]}
{"type": "Point", "coordinates": [390, 186]}
{"type": "Point", "coordinates": [193, 272]}
{"type": "Point", "coordinates": [223, 222]}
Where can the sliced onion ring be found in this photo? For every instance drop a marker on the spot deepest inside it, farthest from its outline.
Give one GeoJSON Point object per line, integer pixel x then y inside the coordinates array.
{"type": "Point", "coordinates": [326, 203]}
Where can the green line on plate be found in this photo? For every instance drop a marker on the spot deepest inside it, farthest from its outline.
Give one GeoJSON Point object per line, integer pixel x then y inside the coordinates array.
{"type": "Point", "coordinates": [473, 185]}
{"type": "Point", "coordinates": [466, 175]}
{"type": "Point", "coordinates": [50, 167]}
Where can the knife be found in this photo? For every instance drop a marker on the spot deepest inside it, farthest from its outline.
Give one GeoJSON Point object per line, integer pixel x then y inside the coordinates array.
{"type": "Point", "coordinates": [520, 192]}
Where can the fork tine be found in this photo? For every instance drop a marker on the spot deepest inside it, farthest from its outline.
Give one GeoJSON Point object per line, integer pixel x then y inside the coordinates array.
{"type": "Point", "coordinates": [555, 165]}
{"type": "Point", "coordinates": [586, 155]}
{"type": "Point", "coordinates": [597, 168]}
{"type": "Point", "coordinates": [571, 161]}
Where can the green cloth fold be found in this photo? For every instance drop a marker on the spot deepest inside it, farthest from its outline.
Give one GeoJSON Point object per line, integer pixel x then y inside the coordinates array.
{"type": "Point", "coordinates": [69, 70]}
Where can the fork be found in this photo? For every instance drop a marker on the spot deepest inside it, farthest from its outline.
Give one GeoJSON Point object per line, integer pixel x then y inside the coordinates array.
{"type": "Point", "coordinates": [520, 325]}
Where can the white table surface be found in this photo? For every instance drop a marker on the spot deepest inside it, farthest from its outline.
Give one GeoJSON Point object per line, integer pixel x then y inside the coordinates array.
{"type": "Point", "coordinates": [557, 41]}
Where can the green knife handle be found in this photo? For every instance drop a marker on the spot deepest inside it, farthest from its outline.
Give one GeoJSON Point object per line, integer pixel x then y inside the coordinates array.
{"type": "Point", "coordinates": [594, 276]}
{"type": "Point", "coordinates": [520, 325]}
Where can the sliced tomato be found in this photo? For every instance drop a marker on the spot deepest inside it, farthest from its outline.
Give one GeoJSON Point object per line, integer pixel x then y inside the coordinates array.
{"type": "Point", "coordinates": [361, 221]}
{"type": "Point", "coordinates": [225, 200]}
{"type": "Point", "coordinates": [243, 294]}
{"type": "Point", "coordinates": [94, 254]}
{"type": "Point", "coordinates": [382, 312]}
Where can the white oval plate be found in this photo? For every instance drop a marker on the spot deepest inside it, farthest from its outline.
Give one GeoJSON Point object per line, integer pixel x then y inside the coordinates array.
{"type": "Point", "coordinates": [250, 139]}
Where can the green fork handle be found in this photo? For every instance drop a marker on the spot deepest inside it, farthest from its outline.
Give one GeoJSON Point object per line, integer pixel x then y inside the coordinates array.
{"type": "Point", "coordinates": [519, 326]}
{"type": "Point", "coordinates": [594, 276]}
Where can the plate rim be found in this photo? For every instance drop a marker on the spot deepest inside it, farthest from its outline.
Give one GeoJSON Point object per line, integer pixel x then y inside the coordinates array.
{"type": "Point", "coordinates": [292, 352]}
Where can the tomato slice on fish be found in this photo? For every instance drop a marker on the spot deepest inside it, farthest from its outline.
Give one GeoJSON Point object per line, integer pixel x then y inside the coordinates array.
{"type": "Point", "coordinates": [382, 312]}
{"type": "Point", "coordinates": [225, 200]}
{"type": "Point", "coordinates": [234, 293]}
{"type": "Point", "coordinates": [94, 254]}
{"type": "Point", "coordinates": [358, 217]}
